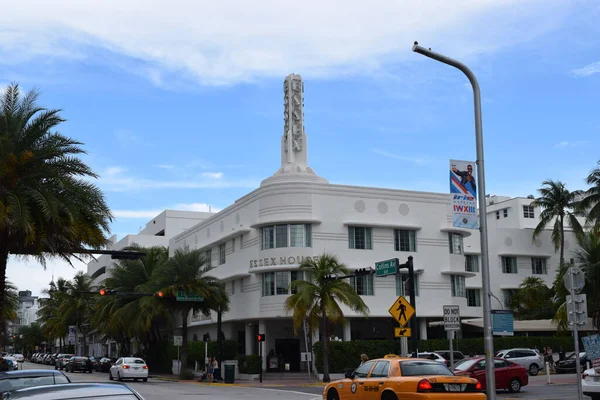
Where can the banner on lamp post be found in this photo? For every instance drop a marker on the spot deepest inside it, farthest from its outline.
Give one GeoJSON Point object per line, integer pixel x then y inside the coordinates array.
{"type": "Point", "coordinates": [463, 189]}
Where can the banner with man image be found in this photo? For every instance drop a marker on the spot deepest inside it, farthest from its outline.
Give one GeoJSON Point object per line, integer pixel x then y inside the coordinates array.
{"type": "Point", "coordinates": [463, 188]}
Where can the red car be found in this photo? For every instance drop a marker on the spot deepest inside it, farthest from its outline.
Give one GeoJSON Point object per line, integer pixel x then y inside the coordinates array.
{"type": "Point", "coordinates": [509, 375]}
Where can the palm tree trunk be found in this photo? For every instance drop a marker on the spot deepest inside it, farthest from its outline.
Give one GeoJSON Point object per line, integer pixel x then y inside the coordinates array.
{"type": "Point", "coordinates": [562, 240]}
{"type": "Point", "coordinates": [3, 265]}
{"type": "Point", "coordinates": [325, 341]}
{"type": "Point", "coordinates": [184, 343]}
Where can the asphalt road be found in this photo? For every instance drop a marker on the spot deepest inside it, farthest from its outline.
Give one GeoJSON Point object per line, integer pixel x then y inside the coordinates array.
{"type": "Point", "coordinates": [158, 389]}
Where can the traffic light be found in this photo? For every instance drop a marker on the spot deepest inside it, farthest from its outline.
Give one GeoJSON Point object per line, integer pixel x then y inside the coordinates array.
{"type": "Point", "coordinates": [206, 337]}
{"type": "Point", "coordinates": [104, 292]}
{"type": "Point", "coordinates": [260, 337]}
{"type": "Point", "coordinates": [363, 272]}
{"type": "Point", "coordinates": [160, 294]}
{"type": "Point", "coordinates": [330, 278]}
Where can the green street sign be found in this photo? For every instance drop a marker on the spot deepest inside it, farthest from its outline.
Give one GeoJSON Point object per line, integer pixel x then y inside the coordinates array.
{"type": "Point", "coordinates": [387, 267]}
{"type": "Point", "coordinates": [183, 296]}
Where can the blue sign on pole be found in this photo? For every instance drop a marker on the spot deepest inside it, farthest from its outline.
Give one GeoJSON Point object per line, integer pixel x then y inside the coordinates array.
{"type": "Point", "coordinates": [591, 344]}
{"type": "Point", "coordinates": [503, 323]}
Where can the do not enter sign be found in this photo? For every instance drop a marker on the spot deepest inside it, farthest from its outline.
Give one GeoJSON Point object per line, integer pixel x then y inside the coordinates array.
{"type": "Point", "coordinates": [451, 318]}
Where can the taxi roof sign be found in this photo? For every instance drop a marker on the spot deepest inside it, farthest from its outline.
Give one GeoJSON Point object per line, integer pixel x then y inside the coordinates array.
{"type": "Point", "coordinates": [391, 356]}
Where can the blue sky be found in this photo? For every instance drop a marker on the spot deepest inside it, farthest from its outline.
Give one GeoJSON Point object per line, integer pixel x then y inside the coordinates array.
{"type": "Point", "coordinates": [180, 104]}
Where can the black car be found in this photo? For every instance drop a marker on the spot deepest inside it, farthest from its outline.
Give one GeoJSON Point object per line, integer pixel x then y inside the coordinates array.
{"type": "Point", "coordinates": [79, 363]}
{"type": "Point", "coordinates": [568, 364]}
{"type": "Point", "coordinates": [14, 380]}
{"type": "Point", "coordinates": [105, 363]}
{"type": "Point", "coordinates": [76, 391]}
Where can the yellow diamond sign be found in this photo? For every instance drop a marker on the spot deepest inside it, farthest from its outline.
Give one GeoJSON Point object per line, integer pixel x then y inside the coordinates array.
{"type": "Point", "coordinates": [402, 311]}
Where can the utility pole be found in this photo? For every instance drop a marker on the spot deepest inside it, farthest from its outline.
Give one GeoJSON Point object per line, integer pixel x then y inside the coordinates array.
{"type": "Point", "coordinates": [488, 338]}
{"type": "Point", "coordinates": [414, 325]}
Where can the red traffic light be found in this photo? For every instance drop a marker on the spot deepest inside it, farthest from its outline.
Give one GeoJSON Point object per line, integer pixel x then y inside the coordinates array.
{"type": "Point", "coordinates": [260, 337]}
{"type": "Point", "coordinates": [160, 294]}
{"type": "Point", "coordinates": [102, 292]}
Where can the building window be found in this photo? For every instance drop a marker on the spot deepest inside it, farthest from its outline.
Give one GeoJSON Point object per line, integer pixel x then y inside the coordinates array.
{"type": "Point", "coordinates": [455, 241]}
{"type": "Point", "coordinates": [222, 254]}
{"type": "Point", "coordinates": [471, 263]}
{"type": "Point", "coordinates": [233, 245]}
{"type": "Point", "coordinates": [505, 212]}
{"type": "Point", "coordinates": [208, 254]}
{"type": "Point", "coordinates": [268, 279]}
{"type": "Point", "coordinates": [403, 285]}
{"type": "Point", "coordinates": [363, 285]}
{"type": "Point", "coordinates": [458, 286]}
{"type": "Point", "coordinates": [282, 282]}
{"type": "Point", "coordinates": [296, 276]}
{"type": "Point", "coordinates": [528, 212]}
{"type": "Point", "coordinates": [507, 295]}
{"type": "Point", "coordinates": [300, 235]}
{"type": "Point", "coordinates": [233, 286]}
{"type": "Point", "coordinates": [405, 240]}
{"type": "Point", "coordinates": [538, 266]}
{"type": "Point", "coordinates": [473, 297]}
{"type": "Point", "coordinates": [241, 241]}
{"type": "Point", "coordinates": [497, 214]}
{"type": "Point", "coordinates": [359, 238]}
{"type": "Point", "coordinates": [509, 265]}
{"type": "Point", "coordinates": [294, 235]}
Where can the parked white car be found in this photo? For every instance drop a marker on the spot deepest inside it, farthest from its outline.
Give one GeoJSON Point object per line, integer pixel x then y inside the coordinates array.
{"type": "Point", "coordinates": [529, 358]}
{"type": "Point", "coordinates": [19, 357]}
{"type": "Point", "coordinates": [431, 356]}
{"type": "Point", "coordinates": [129, 368]}
{"type": "Point", "coordinates": [590, 383]}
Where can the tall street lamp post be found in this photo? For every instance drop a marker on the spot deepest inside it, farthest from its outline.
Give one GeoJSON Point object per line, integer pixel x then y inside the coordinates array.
{"type": "Point", "coordinates": [485, 265]}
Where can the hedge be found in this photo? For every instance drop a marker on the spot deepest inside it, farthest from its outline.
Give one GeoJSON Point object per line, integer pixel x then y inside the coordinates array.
{"type": "Point", "coordinates": [196, 351]}
{"type": "Point", "coordinates": [346, 355]}
{"type": "Point", "coordinates": [249, 364]}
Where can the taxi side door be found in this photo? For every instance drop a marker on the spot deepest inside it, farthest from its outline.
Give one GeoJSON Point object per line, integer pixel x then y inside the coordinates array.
{"type": "Point", "coordinates": [354, 387]}
{"type": "Point", "coordinates": [377, 380]}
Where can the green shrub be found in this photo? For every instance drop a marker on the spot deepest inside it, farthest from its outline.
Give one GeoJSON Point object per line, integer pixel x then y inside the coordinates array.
{"type": "Point", "coordinates": [251, 364]}
{"type": "Point", "coordinates": [196, 351]}
{"type": "Point", "coordinates": [345, 356]}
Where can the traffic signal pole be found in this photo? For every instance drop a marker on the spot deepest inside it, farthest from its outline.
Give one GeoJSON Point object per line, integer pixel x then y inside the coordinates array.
{"type": "Point", "coordinates": [414, 325]}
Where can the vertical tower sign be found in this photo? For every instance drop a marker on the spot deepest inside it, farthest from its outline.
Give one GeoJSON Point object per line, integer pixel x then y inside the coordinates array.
{"type": "Point", "coordinates": [293, 117]}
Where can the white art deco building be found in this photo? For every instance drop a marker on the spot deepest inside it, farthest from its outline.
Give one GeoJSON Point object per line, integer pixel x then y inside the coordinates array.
{"type": "Point", "coordinates": [257, 244]}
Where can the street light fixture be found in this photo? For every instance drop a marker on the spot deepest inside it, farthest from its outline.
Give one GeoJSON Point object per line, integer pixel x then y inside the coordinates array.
{"type": "Point", "coordinates": [488, 338]}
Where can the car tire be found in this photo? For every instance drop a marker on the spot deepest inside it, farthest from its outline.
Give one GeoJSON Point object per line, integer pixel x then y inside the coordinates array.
{"type": "Point", "coordinates": [332, 394]}
{"type": "Point", "coordinates": [119, 377]}
{"type": "Point", "coordinates": [514, 386]}
{"type": "Point", "coordinates": [145, 379]}
{"type": "Point", "coordinates": [534, 369]}
{"type": "Point", "coordinates": [388, 396]}
{"type": "Point", "coordinates": [110, 377]}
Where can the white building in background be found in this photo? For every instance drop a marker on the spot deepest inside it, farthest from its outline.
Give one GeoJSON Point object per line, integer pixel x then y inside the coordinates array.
{"type": "Point", "coordinates": [157, 232]}
{"type": "Point", "coordinates": [26, 312]}
{"type": "Point", "coordinates": [257, 244]}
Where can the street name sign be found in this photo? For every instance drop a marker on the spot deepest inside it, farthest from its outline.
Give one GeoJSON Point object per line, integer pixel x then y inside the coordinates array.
{"type": "Point", "coordinates": [183, 296]}
{"type": "Point", "coordinates": [387, 267]}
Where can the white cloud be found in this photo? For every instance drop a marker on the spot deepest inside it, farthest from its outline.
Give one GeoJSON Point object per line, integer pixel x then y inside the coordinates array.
{"type": "Point", "coordinates": [565, 144]}
{"type": "Point", "coordinates": [116, 179]}
{"type": "Point", "coordinates": [415, 160]}
{"type": "Point", "coordinates": [588, 70]}
{"type": "Point", "coordinates": [28, 274]}
{"type": "Point", "coordinates": [213, 175]}
{"type": "Point", "coordinates": [165, 166]}
{"type": "Point", "coordinates": [232, 41]}
{"type": "Point", "coordinates": [148, 214]}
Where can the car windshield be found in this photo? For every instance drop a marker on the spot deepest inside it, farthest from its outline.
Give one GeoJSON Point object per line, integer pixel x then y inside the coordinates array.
{"type": "Point", "coordinates": [464, 365]}
{"type": "Point", "coordinates": [422, 368]}
{"type": "Point", "coordinates": [133, 361]}
{"type": "Point", "coordinates": [572, 356]}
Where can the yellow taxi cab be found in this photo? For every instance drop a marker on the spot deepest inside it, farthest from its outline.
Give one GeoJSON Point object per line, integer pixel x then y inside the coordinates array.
{"type": "Point", "coordinates": [398, 378]}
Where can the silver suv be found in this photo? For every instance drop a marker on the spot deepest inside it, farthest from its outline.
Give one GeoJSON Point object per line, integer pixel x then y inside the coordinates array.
{"type": "Point", "coordinates": [529, 358]}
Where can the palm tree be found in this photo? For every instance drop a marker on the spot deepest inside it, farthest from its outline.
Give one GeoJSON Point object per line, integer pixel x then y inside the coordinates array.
{"type": "Point", "coordinates": [588, 258]}
{"type": "Point", "coordinates": [50, 317]}
{"type": "Point", "coordinates": [187, 271]}
{"type": "Point", "coordinates": [591, 197]}
{"type": "Point", "coordinates": [48, 207]}
{"type": "Point", "coordinates": [125, 317]}
{"type": "Point", "coordinates": [533, 300]}
{"type": "Point", "coordinates": [557, 203]}
{"type": "Point", "coordinates": [78, 307]}
{"type": "Point", "coordinates": [318, 300]}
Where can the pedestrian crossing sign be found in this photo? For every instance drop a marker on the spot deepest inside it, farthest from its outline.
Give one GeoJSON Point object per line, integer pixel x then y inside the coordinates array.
{"type": "Point", "coordinates": [402, 311]}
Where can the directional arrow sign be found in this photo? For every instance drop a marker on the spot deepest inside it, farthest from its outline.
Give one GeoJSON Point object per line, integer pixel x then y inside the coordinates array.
{"type": "Point", "coordinates": [402, 311]}
{"type": "Point", "coordinates": [402, 332]}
